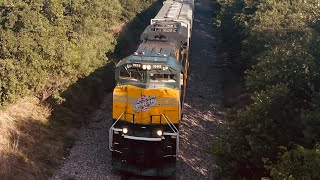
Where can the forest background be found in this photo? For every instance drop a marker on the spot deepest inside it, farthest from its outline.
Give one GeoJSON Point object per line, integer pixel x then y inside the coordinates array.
{"type": "Point", "coordinates": [275, 46]}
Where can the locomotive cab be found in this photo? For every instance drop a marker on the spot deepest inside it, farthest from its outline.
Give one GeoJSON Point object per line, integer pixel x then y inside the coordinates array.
{"type": "Point", "coordinates": [148, 74]}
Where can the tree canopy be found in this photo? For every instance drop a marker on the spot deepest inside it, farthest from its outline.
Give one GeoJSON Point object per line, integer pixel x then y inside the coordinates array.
{"type": "Point", "coordinates": [276, 134]}
{"type": "Point", "coordinates": [45, 45]}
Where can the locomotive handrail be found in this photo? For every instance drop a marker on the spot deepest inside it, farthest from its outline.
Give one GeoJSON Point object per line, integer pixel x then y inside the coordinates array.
{"type": "Point", "coordinates": [171, 125]}
{"type": "Point", "coordinates": [111, 132]}
{"type": "Point", "coordinates": [169, 122]}
{"type": "Point", "coordinates": [175, 131]}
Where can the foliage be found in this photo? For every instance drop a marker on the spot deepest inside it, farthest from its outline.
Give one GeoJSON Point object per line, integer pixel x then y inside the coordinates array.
{"type": "Point", "coordinates": [49, 128]}
{"type": "Point", "coordinates": [133, 7]}
{"type": "Point", "coordinates": [46, 45]}
{"type": "Point", "coordinates": [299, 163]}
{"type": "Point", "coordinates": [279, 44]}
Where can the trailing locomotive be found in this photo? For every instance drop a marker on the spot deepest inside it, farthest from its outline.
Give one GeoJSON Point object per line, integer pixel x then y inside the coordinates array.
{"type": "Point", "coordinates": [149, 95]}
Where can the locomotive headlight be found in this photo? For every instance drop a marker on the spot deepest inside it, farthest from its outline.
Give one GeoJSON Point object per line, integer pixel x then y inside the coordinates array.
{"type": "Point", "coordinates": [159, 133]}
{"type": "Point", "coordinates": [149, 67]}
{"type": "Point", "coordinates": [165, 68]}
{"type": "Point", "coordinates": [125, 130]}
{"type": "Point", "coordinates": [144, 66]}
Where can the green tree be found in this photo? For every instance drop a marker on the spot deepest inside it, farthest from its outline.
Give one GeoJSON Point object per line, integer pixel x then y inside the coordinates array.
{"type": "Point", "coordinates": [46, 45]}
{"type": "Point", "coordinates": [299, 163]}
{"type": "Point", "coordinates": [279, 47]}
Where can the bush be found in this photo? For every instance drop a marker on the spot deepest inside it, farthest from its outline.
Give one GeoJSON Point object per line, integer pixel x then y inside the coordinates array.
{"type": "Point", "coordinates": [299, 163]}
{"type": "Point", "coordinates": [279, 47]}
{"type": "Point", "coordinates": [47, 45]}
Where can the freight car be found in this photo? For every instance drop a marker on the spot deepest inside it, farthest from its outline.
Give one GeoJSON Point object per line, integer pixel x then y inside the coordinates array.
{"type": "Point", "coordinates": [149, 95]}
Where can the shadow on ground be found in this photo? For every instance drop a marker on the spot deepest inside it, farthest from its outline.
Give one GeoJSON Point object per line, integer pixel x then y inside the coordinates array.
{"type": "Point", "coordinates": [83, 97]}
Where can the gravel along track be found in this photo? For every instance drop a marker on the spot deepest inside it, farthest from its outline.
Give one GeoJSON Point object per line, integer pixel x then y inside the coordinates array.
{"type": "Point", "coordinates": [90, 157]}
{"type": "Point", "coordinates": [203, 106]}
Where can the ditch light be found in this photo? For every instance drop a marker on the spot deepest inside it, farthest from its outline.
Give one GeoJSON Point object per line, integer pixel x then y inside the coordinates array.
{"type": "Point", "coordinates": [159, 133]}
{"type": "Point", "coordinates": [125, 130]}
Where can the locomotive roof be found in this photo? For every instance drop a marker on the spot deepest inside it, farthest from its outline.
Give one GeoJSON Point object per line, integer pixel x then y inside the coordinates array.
{"type": "Point", "coordinates": [154, 52]}
{"type": "Point", "coordinates": [175, 9]}
{"type": "Point", "coordinates": [156, 49]}
{"type": "Point", "coordinates": [168, 30]}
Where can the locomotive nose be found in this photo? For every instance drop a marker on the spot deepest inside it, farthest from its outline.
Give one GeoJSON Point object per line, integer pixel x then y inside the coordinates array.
{"type": "Point", "coordinates": [146, 106]}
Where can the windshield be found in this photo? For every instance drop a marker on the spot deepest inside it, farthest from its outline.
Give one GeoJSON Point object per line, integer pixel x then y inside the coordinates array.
{"type": "Point", "coordinates": [132, 74]}
{"type": "Point", "coordinates": [162, 78]}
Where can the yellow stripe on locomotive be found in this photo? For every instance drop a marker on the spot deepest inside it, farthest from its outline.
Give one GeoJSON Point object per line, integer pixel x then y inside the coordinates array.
{"type": "Point", "coordinates": [146, 106]}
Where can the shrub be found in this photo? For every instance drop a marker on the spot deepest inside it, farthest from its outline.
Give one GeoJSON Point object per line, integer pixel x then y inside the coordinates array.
{"type": "Point", "coordinates": [279, 47]}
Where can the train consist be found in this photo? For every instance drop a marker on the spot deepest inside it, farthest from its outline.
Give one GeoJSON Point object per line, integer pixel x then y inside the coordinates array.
{"type": "Point", "coordinates": [149, 95]}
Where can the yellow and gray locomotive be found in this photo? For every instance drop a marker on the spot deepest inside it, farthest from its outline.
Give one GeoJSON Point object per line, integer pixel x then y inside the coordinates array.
{"type": "Point", "coordinates": [149, 95]}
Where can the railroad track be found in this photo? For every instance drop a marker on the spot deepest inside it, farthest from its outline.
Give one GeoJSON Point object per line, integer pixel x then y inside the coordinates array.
{"type": "Point", "coordinates": [90, 157]}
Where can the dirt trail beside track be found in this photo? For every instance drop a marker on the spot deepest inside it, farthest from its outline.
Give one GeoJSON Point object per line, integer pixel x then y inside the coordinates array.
{"type": "Point", "coordinates": [202, 111]}
{"type": "Point", "coordinates": [90, 157]}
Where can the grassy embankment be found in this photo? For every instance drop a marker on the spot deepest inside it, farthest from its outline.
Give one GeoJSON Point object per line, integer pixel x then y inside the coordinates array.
{"type": "Point", "coordinates": [36, 133]}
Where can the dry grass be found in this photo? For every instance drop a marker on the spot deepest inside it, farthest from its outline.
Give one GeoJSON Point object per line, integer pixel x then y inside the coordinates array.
{"type": "Point", "coordinates": [118, 28]}
{"type": "Point", "coordinates": [29, 145]}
